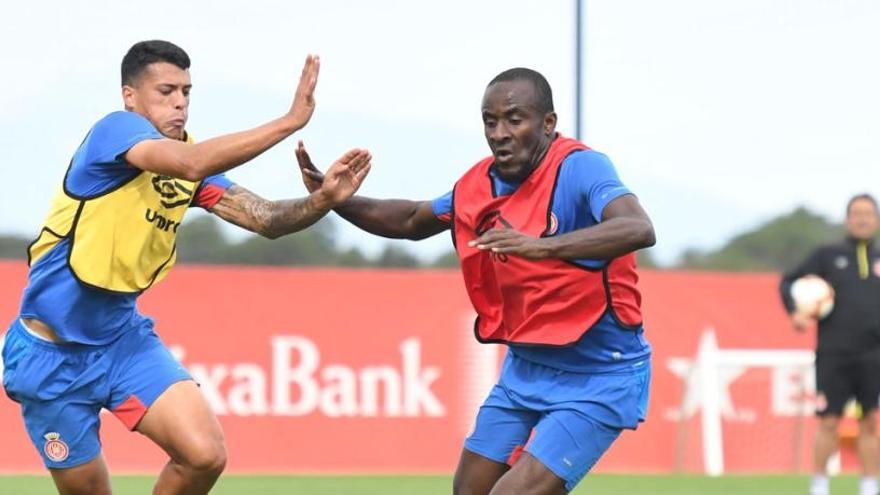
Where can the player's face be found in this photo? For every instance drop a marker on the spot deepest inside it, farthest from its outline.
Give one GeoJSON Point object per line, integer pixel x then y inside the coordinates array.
{"type": "Point", "coordinates": [517, 132]}
{"type": "Point", "coordinates": [862, 219]}
{"type": "Point", "coordinates": [161, 94]}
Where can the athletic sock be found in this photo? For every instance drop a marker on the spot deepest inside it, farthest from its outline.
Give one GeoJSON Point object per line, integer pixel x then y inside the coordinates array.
{"type": "Point", "coordinates": [820, 485]}
{"type": "Point", "coordinates": [868, 486]}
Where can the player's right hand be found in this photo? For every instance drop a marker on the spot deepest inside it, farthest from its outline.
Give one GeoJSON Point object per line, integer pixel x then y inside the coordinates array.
{"type": "Point", "coordinates": [304, 100]}
{"type": "Point", "coordinates": [801, 321]}
{"type": "Point", "coordinates": [312, 177]}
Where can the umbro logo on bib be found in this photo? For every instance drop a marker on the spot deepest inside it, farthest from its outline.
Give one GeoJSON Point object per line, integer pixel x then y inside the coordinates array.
{"type": "Point", "coordinates": [173, 193]}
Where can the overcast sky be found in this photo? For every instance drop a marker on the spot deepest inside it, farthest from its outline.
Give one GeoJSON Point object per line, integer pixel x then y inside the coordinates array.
{"type": "Point", "coordinates": [719, 114]}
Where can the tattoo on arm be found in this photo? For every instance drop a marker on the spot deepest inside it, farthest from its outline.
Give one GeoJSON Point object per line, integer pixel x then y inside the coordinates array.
{"type": "Point", "coordinates": [270, 219]}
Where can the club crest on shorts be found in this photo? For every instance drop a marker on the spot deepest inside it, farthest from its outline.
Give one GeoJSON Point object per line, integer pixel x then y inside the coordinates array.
{"type": "Point", "coordinates": [55, 448]}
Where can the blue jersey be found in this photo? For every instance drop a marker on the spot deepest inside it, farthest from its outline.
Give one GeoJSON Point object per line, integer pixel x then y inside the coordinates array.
{"type": "Point", "coordinates": [587, 183]}
{"type": "Point", "coordinates": [75, 312]}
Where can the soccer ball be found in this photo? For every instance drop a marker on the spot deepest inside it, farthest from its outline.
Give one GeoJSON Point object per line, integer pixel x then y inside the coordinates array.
{"type": "Point", "coordinates": [812, 296]}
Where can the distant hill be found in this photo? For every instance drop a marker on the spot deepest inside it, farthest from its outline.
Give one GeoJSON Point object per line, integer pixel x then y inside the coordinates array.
{"type": "Point", "coordinates": [777, 245]}
{"type": "Point", "coordinates": [13, 246]}
{"type": "Point", "coordinates": [773, 246]}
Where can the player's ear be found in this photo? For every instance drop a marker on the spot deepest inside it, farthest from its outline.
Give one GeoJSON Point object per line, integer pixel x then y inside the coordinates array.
{"type": "Point", "coordinates": [128, 97]}
{"type": "Point", "coordinates": [549, 123]}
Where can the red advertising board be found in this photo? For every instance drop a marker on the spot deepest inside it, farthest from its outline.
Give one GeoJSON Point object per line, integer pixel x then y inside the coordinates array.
{"type": "Point", "coordinates": [325, 370]}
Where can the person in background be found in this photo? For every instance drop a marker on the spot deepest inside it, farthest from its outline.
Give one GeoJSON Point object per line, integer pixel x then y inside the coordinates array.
{"type": "Point", "coordinates": [848, 340]}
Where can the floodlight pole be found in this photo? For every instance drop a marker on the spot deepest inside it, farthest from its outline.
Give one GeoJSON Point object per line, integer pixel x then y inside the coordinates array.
{"type": "Point", "coordinates": [578, 69]}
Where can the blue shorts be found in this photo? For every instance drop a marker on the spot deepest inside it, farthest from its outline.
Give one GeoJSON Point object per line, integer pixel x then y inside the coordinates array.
{"type": "Point", "coordinates": [565, 420]}
{"type": "Point", "coordinates": [63, 387]}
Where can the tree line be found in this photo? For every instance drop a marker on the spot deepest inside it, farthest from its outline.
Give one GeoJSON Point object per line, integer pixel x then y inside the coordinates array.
{"type": "Point", "coordinates": [201, 240]}
{"type": "Point", "coordinates": [775, 245]}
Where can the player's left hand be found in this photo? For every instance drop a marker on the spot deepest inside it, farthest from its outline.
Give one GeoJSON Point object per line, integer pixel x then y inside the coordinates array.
{"type": "Point", "coordinates": [512, 242]}
{"type": "Point", "coordinates": [303, 105]}
{"type": "Point", "coordinates": [344, 177]}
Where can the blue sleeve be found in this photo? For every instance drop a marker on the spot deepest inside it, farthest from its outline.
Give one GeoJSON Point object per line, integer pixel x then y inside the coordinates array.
{"type": "Point", "coordinates": [115, 134]}
{"type": "Point", "coordinates": [211, 190]}
{"type": "Point", "coordinates": [597, 181]}
{"type": "Point", "coordinates": [98, 165]}
{"type": "Point", "coordinates": [442, 207]}
{"type": "Point", "coordinates": [218, 180]}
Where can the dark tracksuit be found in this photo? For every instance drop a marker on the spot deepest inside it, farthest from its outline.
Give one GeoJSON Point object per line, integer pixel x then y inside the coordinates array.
{"type": "Point", "coordinates": [848, 344]}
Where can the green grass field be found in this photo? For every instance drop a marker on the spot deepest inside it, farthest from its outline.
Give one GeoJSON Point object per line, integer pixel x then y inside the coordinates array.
{"type": "Point", "coordinates": [441, 485]}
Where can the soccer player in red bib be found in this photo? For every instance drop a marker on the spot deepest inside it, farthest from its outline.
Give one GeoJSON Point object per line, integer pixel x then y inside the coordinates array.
{"type": "Point", "coordinates": [545, 232]}
{"type": "Point", "coordinates": [80, 344]}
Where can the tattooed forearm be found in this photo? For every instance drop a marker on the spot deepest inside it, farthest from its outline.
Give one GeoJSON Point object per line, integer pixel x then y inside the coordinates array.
{"type": "Point", "coordinates": [270, 219]}
{"type": "Point", "coordinates": [292, 215]}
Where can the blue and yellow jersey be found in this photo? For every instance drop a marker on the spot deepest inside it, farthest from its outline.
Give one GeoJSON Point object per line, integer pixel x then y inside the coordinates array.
{"type": "Point", "coordinates": [110, 234]}
{"type": "Point", "coordinates": [587, 182]}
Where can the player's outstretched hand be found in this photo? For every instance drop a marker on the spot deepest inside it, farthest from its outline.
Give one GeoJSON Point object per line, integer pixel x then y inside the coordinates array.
{"type": "Point", "coordinates": [345, 176]}
{"type": "Point", "coordinates": [312, 177]}
{"type": "Point", "coordinates": [509, 241]}
{"type": "Point", "coordinates": [304, 100]}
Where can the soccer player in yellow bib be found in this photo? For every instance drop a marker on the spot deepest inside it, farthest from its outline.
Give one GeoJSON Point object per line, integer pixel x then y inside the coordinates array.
{"type": "Point", "coordinates": [79, 343]}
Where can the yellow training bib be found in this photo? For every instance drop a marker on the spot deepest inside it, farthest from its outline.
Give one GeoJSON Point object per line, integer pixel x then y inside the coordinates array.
{"type": "Point", "coordinates": [122, 240]}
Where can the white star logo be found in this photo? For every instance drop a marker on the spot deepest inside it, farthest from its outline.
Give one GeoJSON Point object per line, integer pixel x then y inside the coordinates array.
{"type": "Point", "coordinates": [689, 371]}
{"type": "Point", "coordinates": [708, 376]}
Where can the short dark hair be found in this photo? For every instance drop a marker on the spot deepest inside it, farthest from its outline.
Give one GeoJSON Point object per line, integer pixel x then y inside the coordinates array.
{"type": "Point", "coordinates": [542, 87]}
{"type": "Point", "coordinates": [858, 197]}
{"type": "Point", "coordinates": [144, 53]}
